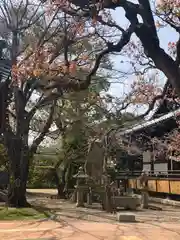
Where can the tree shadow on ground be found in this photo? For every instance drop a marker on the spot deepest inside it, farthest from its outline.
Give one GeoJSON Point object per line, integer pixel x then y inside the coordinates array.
{"type": "Point", "coordinates": [43, 210]}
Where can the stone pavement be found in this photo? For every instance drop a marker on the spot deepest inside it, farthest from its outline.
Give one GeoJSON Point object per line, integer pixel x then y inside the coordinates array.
{"type": "Point", "coordinates": [86, 230]}
{"type": "Point", "coordinates": [92, 224]}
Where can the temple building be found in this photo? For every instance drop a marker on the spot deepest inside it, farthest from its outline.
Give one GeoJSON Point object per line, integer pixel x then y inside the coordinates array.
{"type": "Point", "coordinates": [141, 152]}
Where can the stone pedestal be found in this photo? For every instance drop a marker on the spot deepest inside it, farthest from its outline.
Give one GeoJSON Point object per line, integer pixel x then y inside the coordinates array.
{"type": "Point", "coordinates": [80, 197]}
{"type": "Point", "coordinates": [144, 190]}
{"type": "Point", "coordinates": [74, 196]}
{"type": "Point", "coordinates": [127, 202]}
{"type": "Point", "coordinates": [126, 217]}
{"type": "Point", "coordinates": [145, 198]}
{"type": "Point", "coordinates": [107, 203]}
{"type": "Point", "coordinates": [89, 197]}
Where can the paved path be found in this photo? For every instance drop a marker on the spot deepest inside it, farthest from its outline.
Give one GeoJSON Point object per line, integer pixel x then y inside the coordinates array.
{"type": "Point", "coordinates": [84, 230]}
{"type": "Point", "coordinates": [93, 224]}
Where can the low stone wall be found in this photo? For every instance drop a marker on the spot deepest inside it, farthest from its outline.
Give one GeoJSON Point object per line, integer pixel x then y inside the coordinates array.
{"type": "Point", "coordinates": [162, 201]}
{"type": "Point", "coordinates": [165, 201]}
{"type": "Point", "coordinates": [127, 202]}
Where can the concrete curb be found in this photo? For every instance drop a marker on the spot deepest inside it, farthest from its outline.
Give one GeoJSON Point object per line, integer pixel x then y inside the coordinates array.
{"type": "Point", "coordinates": [165, 201]}
{"type": "Point", "coordinates": [162, 201]}
{"type": "Point", "coordinates": [126, 217]}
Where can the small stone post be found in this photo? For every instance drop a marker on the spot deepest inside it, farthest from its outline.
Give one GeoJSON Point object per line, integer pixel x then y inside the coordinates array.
{"type": "Point", "coordinates": [145, 199]}
{"type": "Point", "coordinates": [74, 196]}
{"type": "Point", "coordinates": [89, 197]}
{"type": "Point", "coordinates": [107, 198]}
{"type": "Point", "coordinates": [144, 190]}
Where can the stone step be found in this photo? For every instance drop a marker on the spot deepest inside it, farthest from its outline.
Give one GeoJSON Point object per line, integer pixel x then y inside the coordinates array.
{"type": "Point", "coordinates": [121, 217]}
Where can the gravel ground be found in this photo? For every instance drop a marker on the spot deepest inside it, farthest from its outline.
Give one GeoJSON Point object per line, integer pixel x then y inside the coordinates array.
{"type": "Point", "coordinates": [73, 223]}
{"type": "Point", "coordinates": [68, 209]}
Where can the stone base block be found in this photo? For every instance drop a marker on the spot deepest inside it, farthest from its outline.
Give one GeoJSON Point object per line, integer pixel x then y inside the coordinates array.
{"type": "Point", "coordinates": [126, 217]}
{"type": "Point", "coordinates": [127, 202]}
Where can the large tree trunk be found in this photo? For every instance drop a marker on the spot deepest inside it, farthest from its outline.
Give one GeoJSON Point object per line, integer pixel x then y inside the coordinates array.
{"type": "Point", "coordinates": [19, 170]}
{"type": "Point", "coordinates": [17, 195]}
{"type": "Point", "coordinates": [17, 186]}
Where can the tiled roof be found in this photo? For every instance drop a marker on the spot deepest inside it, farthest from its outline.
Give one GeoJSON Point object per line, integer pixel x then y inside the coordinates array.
{"type": "Point", "coordinates": [150, 123]}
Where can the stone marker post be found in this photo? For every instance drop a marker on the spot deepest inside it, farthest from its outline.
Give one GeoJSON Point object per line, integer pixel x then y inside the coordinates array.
{"type": "Point", "coordinates": [80, 187]}
{"type": "Point", "coordinates": [74, 196]}
{"type": "Point", "coordinates": [145, 199]}
{"type": "Point", "coordinates": [144, 190]}
{"type": "Point", "coordinates": [89, 196]}
{"type": "Point", "coordinates": [107, 201]}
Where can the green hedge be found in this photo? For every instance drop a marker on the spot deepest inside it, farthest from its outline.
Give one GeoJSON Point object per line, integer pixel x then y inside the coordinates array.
{"type": "Point", "coordinates": [41, 177]}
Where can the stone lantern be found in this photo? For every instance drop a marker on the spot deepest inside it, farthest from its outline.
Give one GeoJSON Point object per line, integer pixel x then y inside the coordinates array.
{"type": "Point", "coordinates": [81, 187]}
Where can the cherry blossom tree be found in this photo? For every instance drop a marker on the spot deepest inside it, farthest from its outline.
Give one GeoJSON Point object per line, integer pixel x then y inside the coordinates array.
{"type": "Point", "coordinates": [58, 46]}
{"type": "Point", "coordinates": [43, 47]}
{"type": "Point", "coordinates": [145, 29]}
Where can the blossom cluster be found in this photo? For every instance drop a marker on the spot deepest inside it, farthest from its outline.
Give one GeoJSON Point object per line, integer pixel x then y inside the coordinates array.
{"type": "Point", "coordinates": [171, 7]}
{"type": "Point", "coordinates": [144, 90]}
{"type": "Point", "coordinates": [172, 48]}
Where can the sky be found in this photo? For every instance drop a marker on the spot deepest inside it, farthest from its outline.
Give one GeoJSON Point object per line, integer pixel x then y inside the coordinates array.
{"type": "Point", "coordinates": [165, 35]}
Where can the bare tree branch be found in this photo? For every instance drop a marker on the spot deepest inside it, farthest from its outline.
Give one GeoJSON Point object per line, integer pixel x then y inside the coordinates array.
{"type": "Point", "coordinates": [77, 85]}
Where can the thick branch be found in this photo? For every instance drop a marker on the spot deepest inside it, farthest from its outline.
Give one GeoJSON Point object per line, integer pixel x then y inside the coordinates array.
{"type": "Point", "coordinates": [43, 101]}
{"type": "Point", "coordinates": [151, 106]}
{"type": "Point", "coordinates": [161, 59]}
{"type": "Point", "coordinates": [178, 52]}
{"type": "Point", "coordinates": [64, 84]}
{"type": "Point", "coordinates": [147, 16]}
{"type": "Point", "coordinates": [148, 36]}
{"type": "Point", "coordinates": [152, 49]}
{"type": "Point", "coordinates": [45, 130]}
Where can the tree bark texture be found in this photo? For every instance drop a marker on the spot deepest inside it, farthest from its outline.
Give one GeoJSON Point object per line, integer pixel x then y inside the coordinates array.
{"type": "Point", "coordinates": [18, 171]}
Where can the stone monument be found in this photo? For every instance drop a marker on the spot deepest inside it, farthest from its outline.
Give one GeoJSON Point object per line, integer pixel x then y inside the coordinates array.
{"type": "Point", "coordinates": [94, 161]}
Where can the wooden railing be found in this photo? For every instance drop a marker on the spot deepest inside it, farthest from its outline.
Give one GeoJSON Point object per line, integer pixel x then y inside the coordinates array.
{"type": "Point", "coordinates": [158, 174]}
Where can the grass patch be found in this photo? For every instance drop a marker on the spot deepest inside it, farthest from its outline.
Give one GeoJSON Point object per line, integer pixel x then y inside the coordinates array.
{"type": "Point", "coordinates": [22, 213]}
